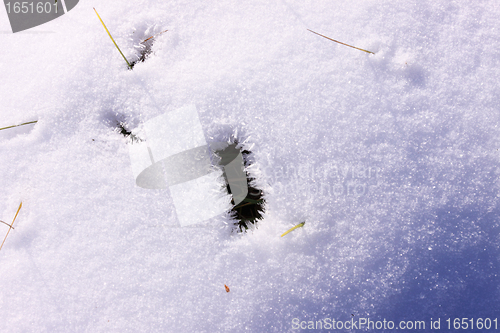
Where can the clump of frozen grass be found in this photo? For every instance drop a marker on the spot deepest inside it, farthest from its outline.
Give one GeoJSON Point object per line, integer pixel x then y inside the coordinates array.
{"type": "Point", "coordinates": [121, 128]}
{"type": "Point", "coordinates": [251, 209]}
{"type": "Point", "coordinates": [145, 48]}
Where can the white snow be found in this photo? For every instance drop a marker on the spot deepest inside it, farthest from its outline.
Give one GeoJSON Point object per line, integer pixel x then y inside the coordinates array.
{"type": "Point", "coordinates": [391, 159]}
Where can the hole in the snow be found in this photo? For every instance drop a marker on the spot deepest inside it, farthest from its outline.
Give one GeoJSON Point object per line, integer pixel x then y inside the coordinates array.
{"type": "Point", "coordinates": [247, 209]}
{"type": "Point", "coordinates": [128, 126]}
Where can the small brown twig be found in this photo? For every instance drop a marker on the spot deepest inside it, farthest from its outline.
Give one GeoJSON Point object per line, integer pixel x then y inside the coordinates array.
{"type": "Point", "coordinates": [336, 41]}
{"type": "Point", "coordinates": [11, 225]}
{"type": "Point", "coordinates": [7, 224]}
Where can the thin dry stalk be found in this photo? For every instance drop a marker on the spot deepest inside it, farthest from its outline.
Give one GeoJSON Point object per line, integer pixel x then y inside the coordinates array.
{"type": "Point", "coordinates": [11, 225]}
{"type": "Point", "coordinates": [336, 41]}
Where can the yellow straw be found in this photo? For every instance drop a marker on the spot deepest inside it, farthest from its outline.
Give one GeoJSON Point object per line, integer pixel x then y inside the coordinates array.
{"type": "Point", "coordinates": [112, 39]}
{"type": "Point", "coordinates": [292, 229]}
{"type": "Point", "coordinates": [30, 122]}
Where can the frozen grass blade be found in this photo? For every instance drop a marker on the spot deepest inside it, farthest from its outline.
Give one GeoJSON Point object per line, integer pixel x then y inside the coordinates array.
{"type": "Point", "coordinates": [11, 225]}
{"type": "Point", "coordinates": [130, 66]}
{"type": "Point", "coordinates": [292, 229]}
{"type": "Point", "coordinates": [30, 122]}
{"type": "Point", "coordinates": [336, 41]}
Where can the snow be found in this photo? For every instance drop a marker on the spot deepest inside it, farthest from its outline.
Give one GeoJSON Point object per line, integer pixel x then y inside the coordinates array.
{"type": "Point", "coordinates": [391, 159]}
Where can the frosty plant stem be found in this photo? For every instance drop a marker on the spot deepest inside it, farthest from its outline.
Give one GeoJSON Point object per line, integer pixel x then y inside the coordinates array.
{"type": "Point", "coordinates": [292, 229]}
{"type": "Point", "coordinates": [11, 225]}
{"type": "Point", "coordinates": [30, 122]}
{"type": "Point", "coordinates": [130, 66]}
{"type": "Point", "coordinates": [336, 41]}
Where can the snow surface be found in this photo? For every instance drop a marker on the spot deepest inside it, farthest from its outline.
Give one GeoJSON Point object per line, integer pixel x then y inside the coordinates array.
{"type": "Point", "coordinates": [391, 159]}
